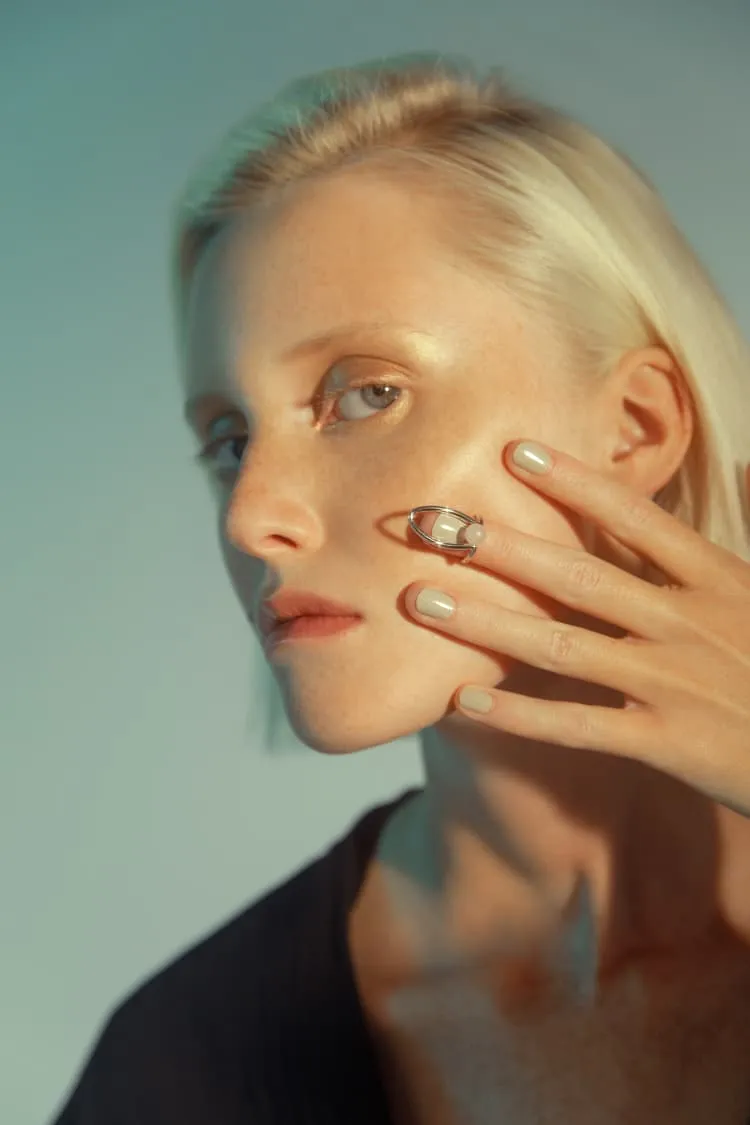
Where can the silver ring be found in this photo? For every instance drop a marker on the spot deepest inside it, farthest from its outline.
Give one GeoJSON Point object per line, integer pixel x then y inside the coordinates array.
{"type": "Point", "coordinates": [443, 544]}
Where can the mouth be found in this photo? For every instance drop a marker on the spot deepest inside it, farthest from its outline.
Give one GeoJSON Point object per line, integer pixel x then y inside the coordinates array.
{"type": "Point", "coordinates": [307, 627]}
{"type": "Point", "coordinates": [301, 613]}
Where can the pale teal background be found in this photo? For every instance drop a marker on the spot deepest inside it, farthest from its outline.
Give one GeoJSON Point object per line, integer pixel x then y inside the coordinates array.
{"type": "Point", "coordinates": [136, 809]}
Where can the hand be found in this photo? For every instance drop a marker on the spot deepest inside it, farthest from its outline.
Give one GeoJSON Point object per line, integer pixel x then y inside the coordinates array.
{"type": "Point", "coordinates": [684, 667]}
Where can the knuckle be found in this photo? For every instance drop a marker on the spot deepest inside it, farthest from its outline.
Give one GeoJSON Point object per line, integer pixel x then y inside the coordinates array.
{"type": "Point", "coordinates": [583, 723]}
{"type": "Point", "coordinates": [561, 647]}
{"type": "Point", "coordinates": [636, 513]}
{"type": "Point", "coordinates": [584, 576]}
{"type": "Point", "coordinates": [503, 547]}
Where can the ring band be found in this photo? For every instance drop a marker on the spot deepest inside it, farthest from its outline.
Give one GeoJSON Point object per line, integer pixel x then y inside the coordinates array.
{"type": "Point", "coordinates": [443, 544]}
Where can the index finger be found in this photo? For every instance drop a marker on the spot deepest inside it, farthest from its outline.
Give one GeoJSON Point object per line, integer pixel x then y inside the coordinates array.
{"type": "Point", "coordinates": [639, 523]}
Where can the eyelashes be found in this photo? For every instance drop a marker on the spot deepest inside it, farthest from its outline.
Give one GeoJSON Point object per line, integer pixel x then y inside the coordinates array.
{"type": "Point", "coordinates": [331, 399]}
{"type": "Point", "coordinates": [325, 403]}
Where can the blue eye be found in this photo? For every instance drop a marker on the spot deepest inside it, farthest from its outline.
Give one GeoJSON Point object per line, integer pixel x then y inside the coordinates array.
{"type": "Point", "coordinates": [381, 396]}
{"type": "Point", "coordinates": [210, 452]}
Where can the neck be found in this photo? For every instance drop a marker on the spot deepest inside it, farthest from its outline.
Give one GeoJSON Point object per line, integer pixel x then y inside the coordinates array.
{"type": "Point", "coordinates": [513, 841]}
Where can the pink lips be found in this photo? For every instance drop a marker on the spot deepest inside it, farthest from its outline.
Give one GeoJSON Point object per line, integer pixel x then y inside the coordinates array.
{"type": "Point", "coordinates": [299, 612]}
{"type": "Point", "coordinates": [308, 628]}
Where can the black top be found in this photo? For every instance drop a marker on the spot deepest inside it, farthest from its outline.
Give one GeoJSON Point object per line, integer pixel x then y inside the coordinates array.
{"type": "Point", "coordinates": [257, 1024]}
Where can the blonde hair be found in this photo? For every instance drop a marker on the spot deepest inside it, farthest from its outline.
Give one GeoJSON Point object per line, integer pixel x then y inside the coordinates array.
{"type": "Point", "coordinates": [538, 201]}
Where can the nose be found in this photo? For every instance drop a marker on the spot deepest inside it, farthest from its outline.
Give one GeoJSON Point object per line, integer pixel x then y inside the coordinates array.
{"type": "Point", "coordinates": [272, 511]}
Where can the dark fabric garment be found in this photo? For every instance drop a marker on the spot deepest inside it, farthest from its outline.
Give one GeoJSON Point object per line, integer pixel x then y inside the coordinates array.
{"type": "Point", "coordinates": [257, 1024]}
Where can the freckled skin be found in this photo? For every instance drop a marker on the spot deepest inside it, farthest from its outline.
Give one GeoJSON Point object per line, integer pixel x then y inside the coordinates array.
{"type": "Point", "coordinates": [505, 825]}
{"type": "Point", "coordinates": [477, 377]}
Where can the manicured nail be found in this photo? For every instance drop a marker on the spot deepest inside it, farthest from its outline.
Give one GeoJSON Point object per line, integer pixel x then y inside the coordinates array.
{"type": "Point", "coordinates": [442, 525]}
{"type": "Point", "coordinates": [532, 457]}
{"type": "Point", "coordinates": [434, 603]}
{"type": "Point", "coordinates": [476, 699]}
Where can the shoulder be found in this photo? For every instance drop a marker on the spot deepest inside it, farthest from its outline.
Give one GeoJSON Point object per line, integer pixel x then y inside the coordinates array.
{"type": "Point", "coordinates": [187, 1043]}
{"type": "Point", "coordinates": [181, 1044]}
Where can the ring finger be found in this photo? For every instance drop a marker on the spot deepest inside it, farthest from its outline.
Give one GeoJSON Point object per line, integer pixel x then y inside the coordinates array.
{"type": "Point", "coordinates": [546, 644]}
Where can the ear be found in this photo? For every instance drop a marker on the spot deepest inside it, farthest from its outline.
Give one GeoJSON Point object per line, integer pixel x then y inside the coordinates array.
{"type": "Point", "coordinates": [652, 416]}
{"type": "Point", "coordinates": [647, 419]}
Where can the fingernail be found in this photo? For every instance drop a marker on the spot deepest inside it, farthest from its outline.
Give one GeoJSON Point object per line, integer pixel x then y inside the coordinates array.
{"type": "Point", "coordinates": [475, 699]}
{"type": "Point", "coordinates": [531, 457]}
{"type": "Point", "coordinates": [442, 525]}
{"type": "Point", "coordinates": [434, 603]}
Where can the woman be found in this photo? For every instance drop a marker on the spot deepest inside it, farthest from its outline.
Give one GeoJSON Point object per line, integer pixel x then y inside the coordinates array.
{"type": "Point", "coordinates": [386, 279]}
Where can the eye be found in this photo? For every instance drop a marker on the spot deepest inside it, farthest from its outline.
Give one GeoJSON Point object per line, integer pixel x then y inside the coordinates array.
{"type": "Point", "coordinates": [221, 429]}
{"type": "Point", "coordinates": [372, 395]}
{"type": "Point", "coordinates": [209, 455]}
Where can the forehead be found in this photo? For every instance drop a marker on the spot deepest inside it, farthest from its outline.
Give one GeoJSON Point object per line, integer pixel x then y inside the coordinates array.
{"type": "Point", "coordinates": [346, 250]}
{"type": "Point", "coordinates": [325, 254]}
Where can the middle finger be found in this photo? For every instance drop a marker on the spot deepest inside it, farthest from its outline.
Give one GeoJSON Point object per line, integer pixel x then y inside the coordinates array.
{"type": "Point", "coordinates": [572, 577]}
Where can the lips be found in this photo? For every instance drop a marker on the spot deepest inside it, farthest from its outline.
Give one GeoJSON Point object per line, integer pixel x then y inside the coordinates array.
{"type": "Point", "coordinates": [289, 604]}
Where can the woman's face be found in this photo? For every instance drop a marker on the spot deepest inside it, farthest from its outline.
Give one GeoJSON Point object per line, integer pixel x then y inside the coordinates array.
{"type": "Point", "coordinates": [317, 500]}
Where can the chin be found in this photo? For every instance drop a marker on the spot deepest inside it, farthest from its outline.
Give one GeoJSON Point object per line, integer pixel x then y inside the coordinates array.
{"type": "Point", "coordinates": [358, 712]}
{"type": "Point", "coordinates": [334, 735]}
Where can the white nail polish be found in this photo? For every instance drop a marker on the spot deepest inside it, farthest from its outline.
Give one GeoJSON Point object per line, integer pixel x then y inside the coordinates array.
{"type": "Point", "coordinates": [532, 457]}
{"type": "Point", "coordinates": [434, 603]}
{"type": "Point", "coordinates": [447, 527]}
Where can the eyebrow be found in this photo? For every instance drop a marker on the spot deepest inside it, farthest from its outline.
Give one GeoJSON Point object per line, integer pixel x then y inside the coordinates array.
{"type": "Point", "coordinates": [305, 349]}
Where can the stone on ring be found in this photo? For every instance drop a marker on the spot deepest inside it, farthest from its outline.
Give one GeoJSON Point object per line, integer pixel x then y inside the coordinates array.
{"type": "Point", "coordinates": [456, 531]}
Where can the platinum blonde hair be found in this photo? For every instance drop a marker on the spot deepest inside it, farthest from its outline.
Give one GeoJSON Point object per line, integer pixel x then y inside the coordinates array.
{"type": "Point", "coordinates": [536, 200]}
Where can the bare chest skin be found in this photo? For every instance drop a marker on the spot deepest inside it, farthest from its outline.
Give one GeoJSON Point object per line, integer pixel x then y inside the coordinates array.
{"type": "Point", "coordinates": [667, 1043]}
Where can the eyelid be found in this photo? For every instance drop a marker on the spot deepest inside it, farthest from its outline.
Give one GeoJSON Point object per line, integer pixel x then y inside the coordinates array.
{"type": "Point", "coordinates": [355, 362]}
{"type": "Point", "coordinates": [321, 398]}
{"type": "Point", "coordinates": [324, 397]}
